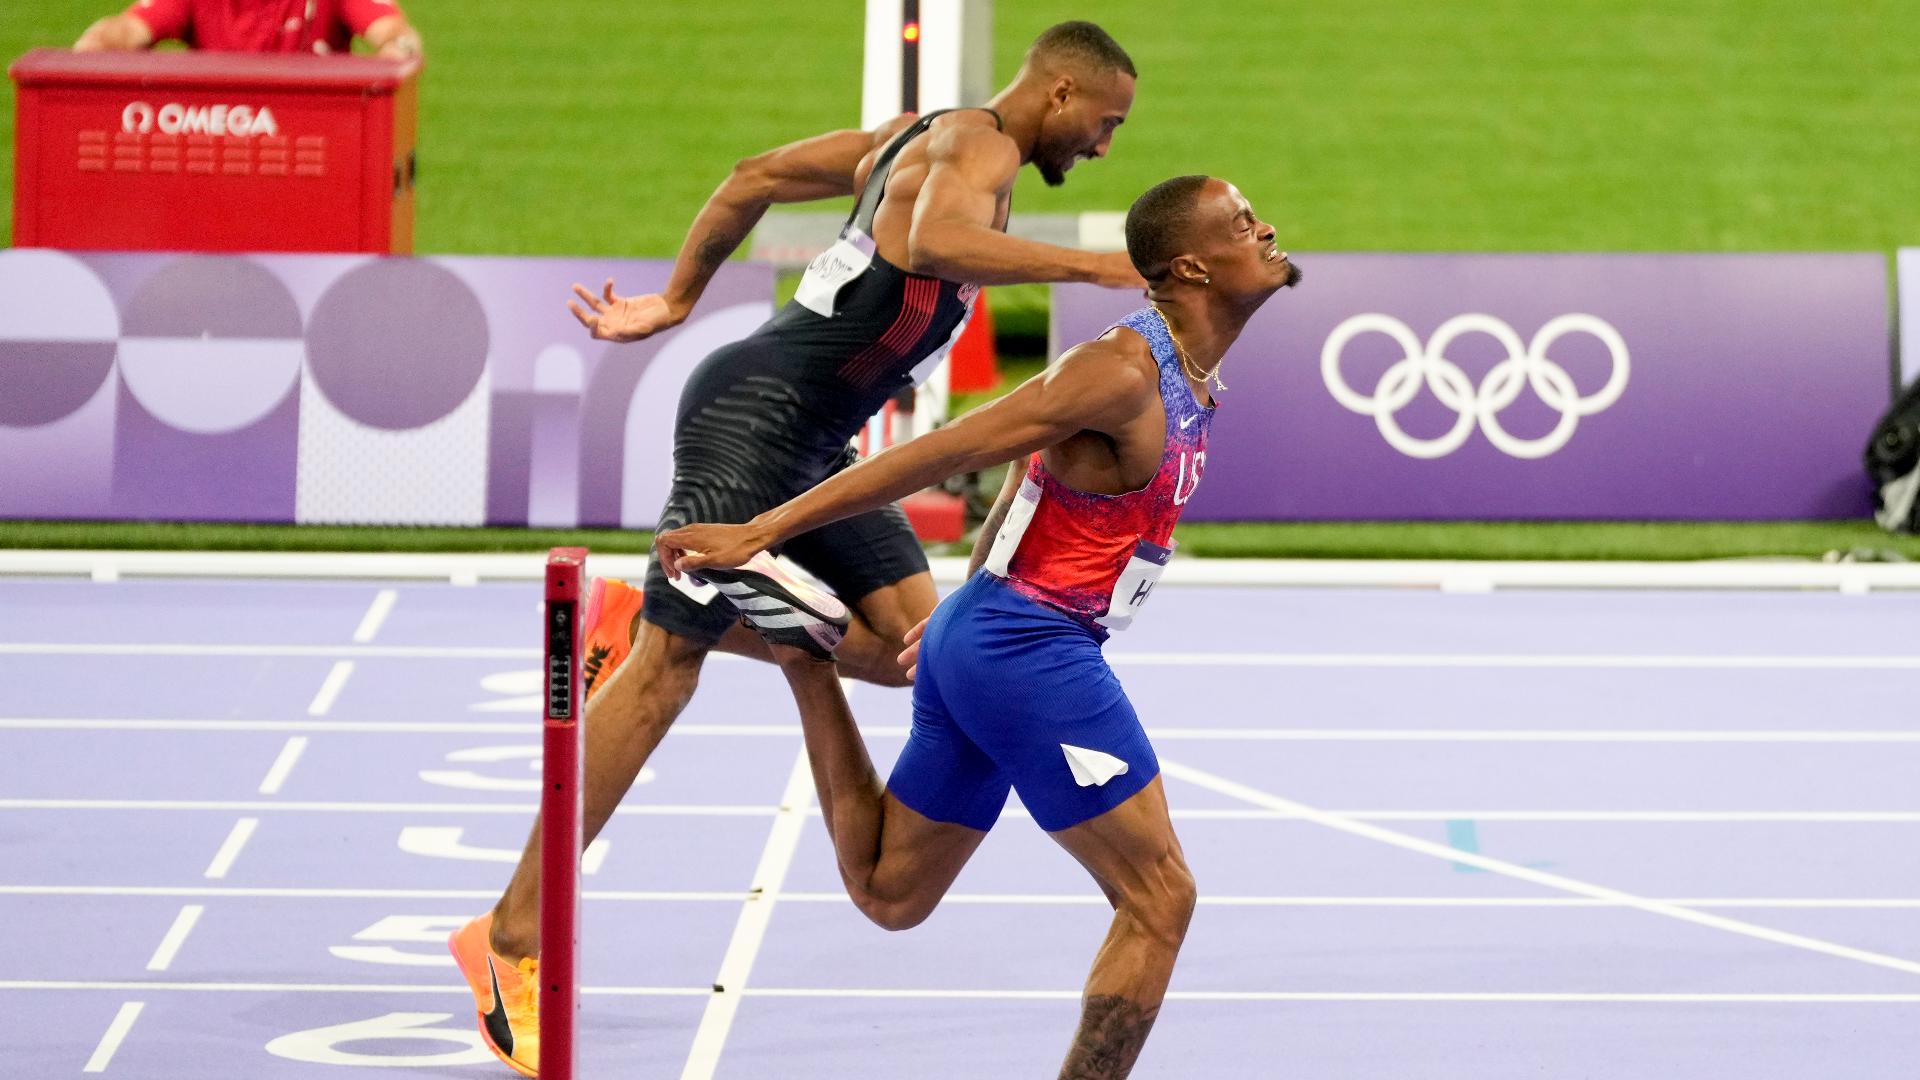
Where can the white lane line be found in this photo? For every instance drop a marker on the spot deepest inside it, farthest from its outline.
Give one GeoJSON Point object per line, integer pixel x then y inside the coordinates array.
{"type": "Point", "coordinates": [1158, 734]}
{"type": "Point", "coordinates": [176, 936]}
{"type": "Point", "coordinates": [1703, 661]}
{"type": "Point", "coordinates": [1798, 903]}
{"type": "Point", "coordinates": [376, 614]}
{"type": "Point", "coordinates": [390, 652]}
{"type": "Point", "coordinates": [1502, 735]}
{"type": "Point", "coordinates": [116, 1034]}
{"type": "Point", "coordinates": [1234, 789]}
{"type": "Point", "coordinates": [751, 929]}
{"type": "Point", "coordinates": [330, 688]}
{"type": "Point", "coordinates": [230, 849]}
{"type": "Point", "coordinates": [1388, 996]}
{"type": "Point", "coordinates": [658, 810]}
{"type": "Point", "coordinates": [324, 988]}
{"type": "Point", "coordinates": [283, 765]}
{"type": "Point", "coordinates": [1356, 996]}
{"type": "Point", "coordinates": [1611, 817]}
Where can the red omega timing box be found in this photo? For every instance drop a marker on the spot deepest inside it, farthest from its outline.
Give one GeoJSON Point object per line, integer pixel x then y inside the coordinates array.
{"type": "Point", "coordinates": [185, 151]}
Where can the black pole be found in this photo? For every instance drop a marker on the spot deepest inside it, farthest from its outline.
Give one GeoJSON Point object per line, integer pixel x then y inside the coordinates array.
{"type": "Point", "coordinates": [909, 55]}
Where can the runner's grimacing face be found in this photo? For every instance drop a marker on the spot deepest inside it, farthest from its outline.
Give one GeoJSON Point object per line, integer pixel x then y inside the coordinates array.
{"type": "Point", "coordinates": [1084, 126]}
{"type": "Point", "coordinates": [1241, 252]}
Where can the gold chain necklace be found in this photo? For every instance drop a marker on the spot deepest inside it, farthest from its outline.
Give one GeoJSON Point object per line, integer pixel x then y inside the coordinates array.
{"type": "Point", "coordinates": [1187, 364]}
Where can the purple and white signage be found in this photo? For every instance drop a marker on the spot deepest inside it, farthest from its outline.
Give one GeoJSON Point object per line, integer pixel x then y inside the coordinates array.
{"type": "Point", "coordinates": [1706, 387]}
{"type": "Point", "coordinates": [340, 388]}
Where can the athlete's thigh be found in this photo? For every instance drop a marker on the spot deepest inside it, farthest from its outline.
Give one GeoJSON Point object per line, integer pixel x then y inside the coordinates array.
{"type": "Point", "coordinates": [892, 610]}
{"type": "Point", "coordinates": [921, 857]}
{"type": "Point", "coordinates": [1050, 713]}
{"type": "Point", "coordinates": [942, 777]}
{"type": "Point", "coordinates": [871, 651]}
{"type": "Point", "coordinates": [740, 448]}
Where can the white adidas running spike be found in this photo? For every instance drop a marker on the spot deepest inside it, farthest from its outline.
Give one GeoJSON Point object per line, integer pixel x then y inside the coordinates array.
{"type": "Point", "coordinates": [781, 607]}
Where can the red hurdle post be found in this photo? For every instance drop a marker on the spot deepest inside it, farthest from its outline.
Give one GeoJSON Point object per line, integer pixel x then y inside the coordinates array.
{"type": "Point", "coordinates": [560, 812]}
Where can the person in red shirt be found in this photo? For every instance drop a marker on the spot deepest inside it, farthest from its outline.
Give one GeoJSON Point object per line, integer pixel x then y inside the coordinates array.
{"type": "Point", "coordinates": [266, 26]}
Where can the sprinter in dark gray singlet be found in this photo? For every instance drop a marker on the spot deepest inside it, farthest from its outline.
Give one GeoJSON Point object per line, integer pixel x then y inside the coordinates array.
{"type": "Point", "coordinates": [768, 417]}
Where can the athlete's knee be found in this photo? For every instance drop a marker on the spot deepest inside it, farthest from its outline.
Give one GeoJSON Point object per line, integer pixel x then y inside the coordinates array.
{"type": "Point", "coordinates": [1162, 903]}
{"type": "Point", "coordinates": [895, 913]}
{"type": "Point", "coordinates": [663, 665]}
{"type": "Point", "coordinates": [893, 901]}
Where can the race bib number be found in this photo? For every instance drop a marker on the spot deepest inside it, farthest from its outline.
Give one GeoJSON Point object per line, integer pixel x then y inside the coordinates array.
{"type": "Point", "coordinates": [830, 271]}
{"type": "Point", "coordinates": [1136, 582]}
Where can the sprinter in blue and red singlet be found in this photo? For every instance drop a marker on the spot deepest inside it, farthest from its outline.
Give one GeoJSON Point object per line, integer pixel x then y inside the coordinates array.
{"type": "Point", "coordinates": [1011, 690]}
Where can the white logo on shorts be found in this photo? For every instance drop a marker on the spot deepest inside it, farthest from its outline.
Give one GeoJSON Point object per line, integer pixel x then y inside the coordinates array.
{"type": "Point", "coordinates": [1092, 768]}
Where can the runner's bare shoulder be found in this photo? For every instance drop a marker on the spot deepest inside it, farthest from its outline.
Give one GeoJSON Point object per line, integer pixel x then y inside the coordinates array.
{"type": "Point", "coordinates": [1120, 355]}
{"type": "Point", "coordinates": [970, 137]}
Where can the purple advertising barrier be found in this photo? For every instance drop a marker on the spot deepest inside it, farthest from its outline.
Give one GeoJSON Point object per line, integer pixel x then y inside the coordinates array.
{"type": "Point", "coordinates": [340, 389]}
{"type": "Point", "coordinates": [1706, 387]}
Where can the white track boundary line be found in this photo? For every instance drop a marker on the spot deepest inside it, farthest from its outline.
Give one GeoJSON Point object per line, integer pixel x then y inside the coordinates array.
{"type": "Point", "coordinates": [176, 937]}
{"type": "Point", "coordinates": [376, 616]}
{"type": "Point", "coordinates": [1456, 576]}
{"type": "Point", "coordinates": [1383, 997]}
{"type": "Point", "coordinates": [1637, 817]}
{"type": "Point", "coordinates": [1236, 790]}
{"type": "Point", "coordinates": [116, 1034]}
{"type": "Point", "coordinates": [751, 929]}
{"type": "Point", "coordinates": [1158, 734]}
{"type": "Point", "coordinates": [1410, 661]}
{"type": "Point", "coordinates": [1017, 899]}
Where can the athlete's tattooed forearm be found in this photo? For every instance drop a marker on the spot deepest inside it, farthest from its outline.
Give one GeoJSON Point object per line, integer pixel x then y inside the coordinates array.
{"type": "Point", "coordinates": [713, 251]}
{"type": "Point", "coordinates": [1112, 1031]}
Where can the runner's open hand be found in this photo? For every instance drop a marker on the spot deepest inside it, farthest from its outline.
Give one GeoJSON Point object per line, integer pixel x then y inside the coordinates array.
{"type": "Point", "coordinates": [910, 656]}
{"type": "Point", "coordinates": [624, 318]}
{"type": "Point", "coordinates": [692, 547]}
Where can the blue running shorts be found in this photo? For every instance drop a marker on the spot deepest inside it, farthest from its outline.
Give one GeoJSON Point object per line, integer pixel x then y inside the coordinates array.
{"type": "Point", "coordinates": [1013, 694]}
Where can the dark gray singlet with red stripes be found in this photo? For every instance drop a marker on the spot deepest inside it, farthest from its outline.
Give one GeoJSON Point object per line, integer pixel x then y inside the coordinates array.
{"type": "Point", "coordinates": [796, 390]}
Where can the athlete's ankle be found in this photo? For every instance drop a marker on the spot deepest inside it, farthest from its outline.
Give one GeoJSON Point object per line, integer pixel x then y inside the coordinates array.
{"type": "Point", "coordinates": [509, 942]}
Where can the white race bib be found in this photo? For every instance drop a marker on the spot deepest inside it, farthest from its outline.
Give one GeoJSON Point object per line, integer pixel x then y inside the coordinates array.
{"type": "Point", "coordinates": [830, 271]}
{"type": "Point", "coordinates": [1019, 516]}
{"type": "Point", "coordinates": [1142, 573]}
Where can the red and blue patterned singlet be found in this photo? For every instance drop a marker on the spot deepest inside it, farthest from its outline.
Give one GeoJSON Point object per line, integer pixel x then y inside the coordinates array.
{"type": "Point", "coordinates": [1097, 557]}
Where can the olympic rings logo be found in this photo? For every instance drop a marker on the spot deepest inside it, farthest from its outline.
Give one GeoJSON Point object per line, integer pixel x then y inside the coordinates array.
{"type": "Point", "coordinates": [1525, 367]}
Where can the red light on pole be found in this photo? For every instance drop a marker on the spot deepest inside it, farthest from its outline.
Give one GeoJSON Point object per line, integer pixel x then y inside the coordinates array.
{"type": "Point", "coordinates": [910, 32]}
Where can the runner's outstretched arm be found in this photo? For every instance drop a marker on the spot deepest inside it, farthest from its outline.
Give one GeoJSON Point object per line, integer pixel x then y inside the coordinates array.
{"type": "Point", "coordinates": [818, 168]}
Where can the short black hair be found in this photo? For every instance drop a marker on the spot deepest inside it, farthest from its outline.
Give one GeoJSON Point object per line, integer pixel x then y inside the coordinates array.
{"type": "Point", "coordinates": [1159, 221]}
{"type": "Point", "coordinates": [1082, 42]}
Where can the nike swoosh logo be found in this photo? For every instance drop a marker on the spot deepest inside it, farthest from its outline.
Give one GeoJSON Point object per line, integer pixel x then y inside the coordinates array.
{"type": "Point", "coordinates": [496, 1020]}
{"type": "Point", "coordinates": [1189, 420]}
